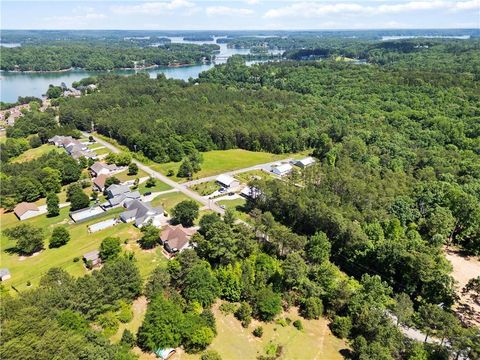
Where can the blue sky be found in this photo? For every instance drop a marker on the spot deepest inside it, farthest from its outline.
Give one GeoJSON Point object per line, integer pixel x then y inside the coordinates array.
{"type": "Point", "coordinates": [240, 14]}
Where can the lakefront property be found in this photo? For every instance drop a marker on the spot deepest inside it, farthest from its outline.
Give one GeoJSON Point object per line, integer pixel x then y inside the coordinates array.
{"type": "Point", "coordinates": [240, 194]}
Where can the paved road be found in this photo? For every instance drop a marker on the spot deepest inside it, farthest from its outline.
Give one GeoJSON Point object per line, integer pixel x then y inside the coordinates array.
{"type": "Point", "coordinates": [238, 171]}
{"type": "Point", "coordinates": [180, 187]}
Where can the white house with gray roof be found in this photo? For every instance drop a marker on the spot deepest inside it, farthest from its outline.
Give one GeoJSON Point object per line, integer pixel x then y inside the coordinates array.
{"type": "Point", "coordinates": [140, 213]}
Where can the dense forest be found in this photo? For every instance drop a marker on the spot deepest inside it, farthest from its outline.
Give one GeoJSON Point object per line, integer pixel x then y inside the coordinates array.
{"type": "Point", "coordinates": [61, 56]}
{"type": "Point", "coordinates": [358, 237]}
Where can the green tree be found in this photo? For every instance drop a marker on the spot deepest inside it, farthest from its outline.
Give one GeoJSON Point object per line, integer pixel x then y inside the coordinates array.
{"type": "Point", "coordinates": [341, 326]}
{"type": "Point", "coordinates": [53, 208]}
{"type": "Point", "coordinates": [132, 169]}
{"type": "Point", "coordinates": [111, 180]}
{"type": "Point", "coordinates": [294, 270]}
{"type": "Point", "coordinates": [311, 308]}
{"type": "Point", "coordinates": [160, 328]}
{"type": "Point", "coordinates": [186, 169]}
{"type": "Point", "coordinates": [54, 92]}
{"type": "Point", "coordinates": [210, 355]}
{"type": "Point", "coordinates": [78, 199]}
{"type": "Point", "coordinates": [51, 180]}
{"type": "Point", "coordinates": [403, 308]}
{"type": "Point", "coordinates": [199, 339]}
{"type": "Point", "coordinates": [29, 239]}
{"type": "Point", "coordinates": [60, 236]}
{"type": "Point", "coordinates": [267, 304]}
{"type": "Point", "coordinates": [185, 212]}
{"type": "Point", "coordinates": [127, 339]}
{"type": "Point", "coordinates": [158, 282]}
{"type": "Point", "coordinates": [200, 285]}
{"type": "Point", "coordinates": [150, 237]}
{"type": "Point", "coordinates": [110, 248]}
{"type": "Point", "coordinates": [318, 248]}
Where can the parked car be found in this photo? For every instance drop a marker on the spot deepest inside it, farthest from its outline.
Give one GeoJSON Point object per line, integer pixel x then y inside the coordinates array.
{"type": "Point", "coordinates": [147, 193]}
{"type": "Point", "coordinates": [222, 190]}
{"type": "Point", "coordinates": [222, 206]}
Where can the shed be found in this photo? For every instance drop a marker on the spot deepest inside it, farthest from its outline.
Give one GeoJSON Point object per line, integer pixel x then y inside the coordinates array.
{"type": "Point", "coordinates": [5, 274]}
{"type": "Point", "coordinates": [102, 225]}
{"type": "Point", "coordinates": [92, 258]}
{"type": "Point", "coordinates": [26, 210]}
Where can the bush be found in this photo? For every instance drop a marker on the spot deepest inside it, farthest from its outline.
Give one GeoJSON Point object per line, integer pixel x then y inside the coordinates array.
{"type": "Point", "coordinates": [127, 339]}
{"type": "Point", "coordinates": [125, 313]}
{"type": "Point", "coordinates": [268, 304]}
{"type": "Point", "coordinates": [228, 308]}
{"type": "Point", "coordinates": [76, 259]}
{"type": "Point", "coordinates": [210, 355]}
{"type": "Point", "coordinates": [244, 314]}
{"type": "Point", "coordinates": [282, 322]}
{"type": "Point", "coordinates": [132, 169]}
{"type": "Point", "coordinates": [109, 323]}
{"type": "Point", "coordinates": [298, 324]}
{"type": "Point", "coordinates": [258, 332]}
{"type": "Point", "coordinates": [341, 326]}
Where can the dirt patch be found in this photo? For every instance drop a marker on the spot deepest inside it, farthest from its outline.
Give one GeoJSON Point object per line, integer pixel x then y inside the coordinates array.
{"type": "Point", "coordinates": [464, 269]}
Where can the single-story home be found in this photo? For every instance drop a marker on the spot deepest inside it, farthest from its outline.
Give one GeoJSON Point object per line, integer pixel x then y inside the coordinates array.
{"type": "Point", "coordinates": [100, 168]}
{"type": "Point", "coordinates": [26, 210]}
{"type": "Point", "coordinates": [176, 238]}
{"type": "Point", "coordinates": [117, 189]}
{"type": "Point", "coordinates": [99, 182]}
{"type": "Point", "coordinates": [141, 213]}
{"type": "Point", "coordinates": [5, 274]}
{"type": "Point", "coordinates": [305, 162]}
{"type": "Point", "coordinates": [92, 258]}
{"type": "Point", "coordinates": [124, 198]}
{"type": "Point", "coordinates": [250, 192]}
{"type": "Point", "coordinates": [227, 181]}
{"type": "Point", "coordinates": [282, 170]}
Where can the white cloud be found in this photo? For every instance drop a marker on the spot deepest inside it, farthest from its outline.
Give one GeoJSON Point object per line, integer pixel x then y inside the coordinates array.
{"type": "Point", "coordinates": [252, 2]}
{"type": "Point", "coordinates": [152, 8]}
{"type": "Point", "coordinates": [316, 9]}
{"type": "Point", "coordinates": [228, 11]}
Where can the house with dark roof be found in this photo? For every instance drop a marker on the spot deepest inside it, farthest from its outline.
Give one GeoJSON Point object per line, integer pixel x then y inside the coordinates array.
{"type": "Point", "coordinates": [176, 238]}
{"type": "Point", "coordinates": [26, 210]}
{"type": "Point", "coordinates": [141, 213]}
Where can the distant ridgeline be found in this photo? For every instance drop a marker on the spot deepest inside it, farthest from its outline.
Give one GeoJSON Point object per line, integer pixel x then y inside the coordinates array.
{"type": "Point", "coordinates": [94, 56]}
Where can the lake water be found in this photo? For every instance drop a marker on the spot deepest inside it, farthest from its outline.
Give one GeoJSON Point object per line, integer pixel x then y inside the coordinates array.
{"type": "Point", "coordinates": [13, 85]}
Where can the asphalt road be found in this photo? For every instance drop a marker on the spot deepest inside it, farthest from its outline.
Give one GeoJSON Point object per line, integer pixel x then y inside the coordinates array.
{"type": "Point", "coordinates": [180, 187]}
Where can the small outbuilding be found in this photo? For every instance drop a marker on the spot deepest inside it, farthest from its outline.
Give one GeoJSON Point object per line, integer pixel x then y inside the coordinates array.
{"type": "Point", "coordinates": [227, 181]}
{"type": "Point", "coordinates": [305, 162]}
{"type": "Point", "coordinates": [92, 259]}
{"type": "Point", "coordinates": [5, 274]}
{"type": "Point", "coordinates": [86, 214]}
{"type": "Point", "coordinates": [282, 170]}
{"type": "Point", "coordinates": [26, 210]}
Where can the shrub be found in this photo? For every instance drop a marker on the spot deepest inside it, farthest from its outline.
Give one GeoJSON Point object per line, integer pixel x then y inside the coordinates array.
{"type": "Point", "coordinates": [227, 308]}
{"type": "Point", "coordinates": [210, 355]}
{"type": "Point", "coordinates": [298, 324]}
{"type": "Point", "coordinates": [341, 326]}
{"type": "Point", "coordinates": [60, 236]}
{"type": "Point", "coordinates": [282, 322]}
{"type": "Point", "coordinates": [127, 339]}
{"type": "Point", "coordinates": [258, 332]}
{"type": "Point", "coordinates": [151, 182]}
{"type": "Point", "coordinates": [76, 259]}
{"type": "Point", "coordinates": [311, 308]}
{"type": "Point", "coordinates": [244, 314]}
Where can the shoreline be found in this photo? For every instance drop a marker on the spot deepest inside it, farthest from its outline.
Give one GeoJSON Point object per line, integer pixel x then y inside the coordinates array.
{"type": "Point", "coordinates": [82, 69]}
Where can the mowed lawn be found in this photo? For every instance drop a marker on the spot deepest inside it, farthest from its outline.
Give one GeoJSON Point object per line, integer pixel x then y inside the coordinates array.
{"type": "Point", "coordinates": [169, 200]}
{"type": "Point", "coordinates": [220, 161]}
{"type": "Point", "coordinates": [35, 153]}
{"type": "Point", "coordinates": [233, 342]}
{"type": "Point", "coordinates": [31, 268]}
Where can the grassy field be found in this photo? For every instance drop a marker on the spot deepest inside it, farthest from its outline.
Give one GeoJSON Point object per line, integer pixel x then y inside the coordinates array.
{"type": "Point", "coordinates": [35, 153]}
{"type": "Point", "coordinates": [168, 201]}
{"type": "Point", "coordinates": [233, 342]}
{"type": "Point", "coordinates": [248, 176]}
{"type": "Point", "coordinates": [206, 188]}
{"type": "Point", "coordinates": [33, 267]}
{"type": "Point", "coordinates": [159, 186]}
{"type": "Point", "coordinates": [237, 205]}
{"type": "Point", "coordinates": [101, 151]}
{"type": "Point", "coordinates": [219, 161]}
{"type": "Point", "coordinates": [123, 176]}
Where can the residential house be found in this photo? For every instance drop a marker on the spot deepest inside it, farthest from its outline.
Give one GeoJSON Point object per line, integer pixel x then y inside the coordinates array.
{"type": "Point", "coordinates": [250, 192]}
{"type": "Point", "coordinates": [99, 182]}
{"type": "Point", "coordinates": [100, 168]}
{"type": "Point", "coordinates": [141, 213]}
{"type": "Point", "coordinates": [282, 170]}
{"type": "Point", "coordinates": [227, 181]}
{"type": "Point", "coordinates": [26, 210]}
{"type": "Point", "coordinates": [176, 238]}
{"type": "Point", "coordinates": [305, 162]}
{"type": "Point", "coordinates": [5, 274]}
{"type": "Point", "coordinates": [120, 194]}
{"type": "Point", "coordinates": [92, 259]}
